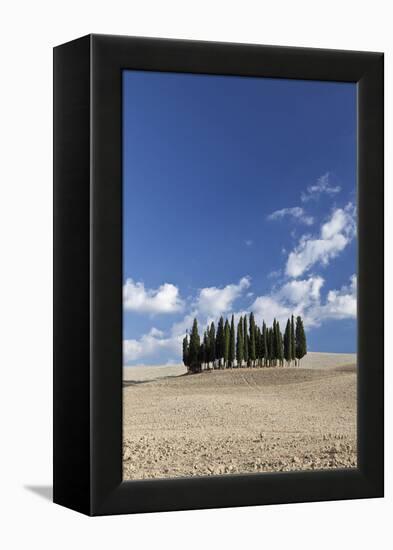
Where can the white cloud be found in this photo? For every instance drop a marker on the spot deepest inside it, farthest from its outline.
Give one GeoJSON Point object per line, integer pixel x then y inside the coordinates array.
{"type": "Point", "coordinates": [341, 221]}
{"type": "Point", "coordinates": [303, 297]}
{"type": "Point", "coordinates": [322, 186]}
{"type": "Point", "coordinates": [295, 212]}
{"type": "Point", "coordinates": [180, 327]}
{"type": "Point", "coordinates": [341, 304]}
{"type": "Point", "coordinates": [267, 308]}
{"type": "Point", "coordinates": [132, 349]}
{"type": "Point", "coordinates": [334, 236]}
{"type": "Point", "coordinates": [312, 251]}
{"type": "Point", "coordinates": [304, 292]}
{"type": "Point", "coordinates": [151, 345]}
{"type": "Point", "coordinates": [248, 242]}
{"type": "Point", "coordinates": [165, 299]}
{"type": "Point", "coordinates": [213, 301]}
{"type": "Point", "coordinates": [294, 297]}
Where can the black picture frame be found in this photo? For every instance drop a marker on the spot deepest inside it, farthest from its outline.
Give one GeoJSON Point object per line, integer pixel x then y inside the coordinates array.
{"type": "Point", "coordinates": [88, 274]}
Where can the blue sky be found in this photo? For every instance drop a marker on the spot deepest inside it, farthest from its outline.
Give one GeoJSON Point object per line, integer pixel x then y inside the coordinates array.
{"type": "Point", "coordinates": [239, 195]}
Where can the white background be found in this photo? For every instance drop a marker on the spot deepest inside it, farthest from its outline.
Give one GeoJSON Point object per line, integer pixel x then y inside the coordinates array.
{"type": "Point", "coordinates": [28, 31]}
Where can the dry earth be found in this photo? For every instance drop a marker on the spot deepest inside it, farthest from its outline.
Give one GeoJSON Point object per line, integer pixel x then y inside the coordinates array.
{"type": "Point", "coordinates": [240, 420]}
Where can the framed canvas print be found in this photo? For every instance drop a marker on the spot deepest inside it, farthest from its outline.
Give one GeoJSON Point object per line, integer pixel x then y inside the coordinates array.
{"type": "Point", "coordinates": [218, 275]}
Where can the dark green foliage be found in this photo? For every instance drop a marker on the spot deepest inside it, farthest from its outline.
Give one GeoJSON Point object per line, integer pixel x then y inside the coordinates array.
{"type": "Point", "coordinates": [220, 340]}
{"type": "Point", "coordinates": [301, 343]}
{"type": "Point", "coordinates": [201, 355]}
{"type": "Point", "coordinates": [245, 340]}
{"type": "Point", "coordinates": [274, 343]}
{"type": "Point", "coordinates": [288, 342]}
{"type": "Point", "coordinates": [185, 351]}
{"type": "Point", "coordinates": [267, 349]}
{"type": "Point", "coordinates": [279, 344]}
{"type": "Point", "coordinates": [194, 348]}
{"type": "Point", "coordinates": [265, 343]}
{"type": "Point", "coordinates": [232, 343]}
{"type": "Point", "coordinates": [212, 344]}
{"type": "Point", "coordinates": [248, 344]}
{"type": "Point", "coordinates": [206, 344]}
{"type": "Point", "coordinates": [257, 344]}
{"type": "Point", "coordinates": [252, 351]}
{"type": "Point", "coordinates": [227, 340]}
{"type": "Point", "coordinates": [293, 341]}
{"type": "Point", "coordinates": [261, 346]}
{"type": "Point", "coordinates": [239, 343]}
{"type": "Point", "coordinates": [271, 347]}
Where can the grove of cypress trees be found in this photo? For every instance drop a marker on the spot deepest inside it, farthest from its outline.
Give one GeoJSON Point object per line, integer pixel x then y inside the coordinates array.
{"type": "Point", "coordinates": [245, 340]}
{"type": "Point", "coordinates": [301, 343]}
{"type": "Point", "coordinates": [293, 341]}
{"type": "Point", "coordinates": [232, 343]}
{"type": "Point", "coordinates": [248, 344]}
{"type": "Point", "coordinates": [239, 343]}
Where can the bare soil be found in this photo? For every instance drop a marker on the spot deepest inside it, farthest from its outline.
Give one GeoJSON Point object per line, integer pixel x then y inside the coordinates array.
{"type": "Point", "coordinates": [240, 420]}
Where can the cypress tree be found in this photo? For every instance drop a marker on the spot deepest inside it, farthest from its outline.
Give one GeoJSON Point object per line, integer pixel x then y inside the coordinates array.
{"type": "Point", "coordinates": [287, 342]}
{"type": "Point", "coordinates": [232, 343]}
{"type": "Point", "coordinates": [252, 351]}
{"type": "Point", "coordinates": [206, 352]}
{"type": "Point", "coordinates": [301, 343]}
{"type": "Point", "coordinates": [274, 343]}
{"type": "Point", "coordinates": [220, 341]}
{"type": "Point", "coordinates": [201, 355]}
{"type": "Point", "coordinates": [274, 351]}
{"type": "Point", "coordinates": [227, 341]}
{"type": "Point", "coordinates": [245, 340]}
{"type": "Point", "coordinates": [194, 348]}
{"type": "Point", "coordinates": [206, 342]}
{"type": "Point", "coordinates": [260, 347]}
{"type": "Point", "coordinates": [293, 341]}
{"type": "Point", "coordinates": [267, 347]}
{"type": "Point", "coordinates": [271, 347]}
{"type": "Point", "coordinates": [239, 343]}
{"type": "Point", "coordinates": [279, 345]}
{"type": "Point", "coordinates": [265, 343]}
{"type": "Point", "coordinates": [185, 351]}
{"type": "Point", "coordinates": [212, 344]}
{"type": "Point", "coordinates": [257, 345]}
